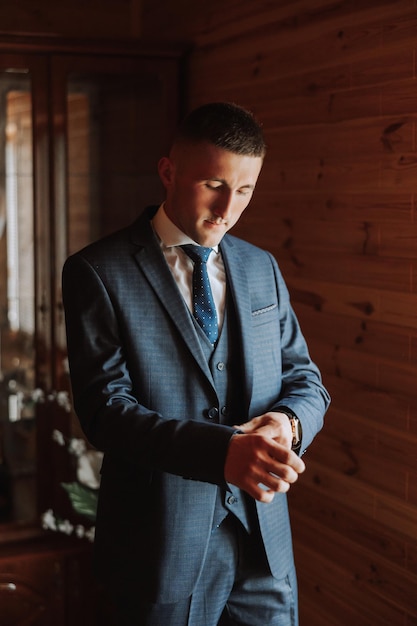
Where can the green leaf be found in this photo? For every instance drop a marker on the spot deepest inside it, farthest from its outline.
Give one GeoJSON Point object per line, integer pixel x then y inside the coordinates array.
{"type": "Point", "coordinates": [83, 500]}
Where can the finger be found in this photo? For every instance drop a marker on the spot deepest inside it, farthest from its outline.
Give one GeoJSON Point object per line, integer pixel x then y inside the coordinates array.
{"type": "Point", "coordinates": [272, 476]}
{"type": "Point", "coordinates": [261, 493]}
{"type": "Point", "coordinates": [281, 472]}
{"type": "Point", "coordinates": [288, 470]}
{"type": "Point", "coordinates": [266, 492]}
{"type": "Point", "coordinates": [284, 456]}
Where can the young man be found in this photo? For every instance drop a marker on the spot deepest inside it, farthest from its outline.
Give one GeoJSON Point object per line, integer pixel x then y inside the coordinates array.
{"type": "Point", "coordinates": [197, 417]}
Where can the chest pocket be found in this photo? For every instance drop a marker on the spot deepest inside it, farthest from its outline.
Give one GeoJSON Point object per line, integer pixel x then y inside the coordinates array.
{"type": "Point", "coordinates": [265, 315]}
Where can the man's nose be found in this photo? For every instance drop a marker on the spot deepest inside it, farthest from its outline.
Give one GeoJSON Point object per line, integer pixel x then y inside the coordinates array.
{"type": "Point", "coordinates": [223, 205]}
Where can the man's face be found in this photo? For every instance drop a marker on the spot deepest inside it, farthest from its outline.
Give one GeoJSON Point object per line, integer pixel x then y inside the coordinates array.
{"type": "Point", "coordinates": [207, 189]}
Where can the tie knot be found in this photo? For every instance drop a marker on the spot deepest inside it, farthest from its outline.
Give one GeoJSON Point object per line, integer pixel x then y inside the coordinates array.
{"type": "Point", "coordinates": [197, 253]}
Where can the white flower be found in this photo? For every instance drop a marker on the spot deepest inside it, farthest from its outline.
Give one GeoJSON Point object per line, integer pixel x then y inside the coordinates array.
{"type": "Point", "coordinates": [83, 492]}
{"type": "Point", "coordinates": [63, 400]}
{"type": "Point", "coordinates": [65, 527]}
{"type": "Point", "coordinates": [88, 468]}
{"type": "Point", "coordinates": [58, 437]}
{"type": "Point", "coordinates": [77, 447]}
{"type": "Point", "coordinates": [80, 531]}
{"type": "Point", "coordinates": [48, 520]}
{"type": "Point", "coordinates": [90, 533]}
{"type": "Point", "coordinates": [38, 395]}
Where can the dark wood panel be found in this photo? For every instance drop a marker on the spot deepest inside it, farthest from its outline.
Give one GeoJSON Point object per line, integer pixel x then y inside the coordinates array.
{"type": "Point", "coordinates": [335, 89]}
{"type": "Point", "coordinates": [340, 206]}
{"type": "Point", "coordinates": [50, 583]}
{"type": "Point", "coordinates": [85, 19]}
{"type": "Point", "coordinates": [374, 272]}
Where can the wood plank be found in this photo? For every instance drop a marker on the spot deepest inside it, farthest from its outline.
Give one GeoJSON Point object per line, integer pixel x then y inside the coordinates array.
{"type": "Point", "coordinates": [336, 238]}
{"type": "Point", "coordinates": [365, 532]}
{"type": "Point", "coordinates": [388, 307]}
{"type": "Point", "coordinates": [324, 588]}
{"type": "Point", "coordinates": [70, 19]}
{"type": "Point", "coordinates": [323, 205]}
{"type": "Point", "coordinates": [354, 454]}
{"type": "Point", "coordinates": [353, 572]}
{"type": "Point", "coordinates": [392, 512]}
{"type": "Point", "coordinates": [345, 173]}
{"type": "Point", "coordinates": [359, 138]}
{"type": "Point", "coordinates": [356, 398]}
{"type": "Point", "coordinates": [328, 32]}
{"type": "Point", "coordinates": [345, 579]}
{"type": "Point", "coordinates": [374, 272]}
{"type": "Point", "coordinates": [357, 238]}
{"type": "Point", "coordinates": [273, 77]}
{"type": "Point", "coordinates": [383, 341]}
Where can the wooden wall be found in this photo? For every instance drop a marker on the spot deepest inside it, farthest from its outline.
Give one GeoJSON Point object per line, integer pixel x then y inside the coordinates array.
{"type": "Point", "coordinates": [335, 86]}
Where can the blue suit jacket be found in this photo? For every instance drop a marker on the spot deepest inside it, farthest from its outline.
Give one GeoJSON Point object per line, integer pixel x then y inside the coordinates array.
{"type": "Point", "coordinates": [142, 390]}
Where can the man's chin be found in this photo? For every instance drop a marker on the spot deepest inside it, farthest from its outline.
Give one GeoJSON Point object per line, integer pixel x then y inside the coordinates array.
{"type": "Point", "coordinates": [211, 242]}
{"type": "Point", "coordinates": [212, 235]}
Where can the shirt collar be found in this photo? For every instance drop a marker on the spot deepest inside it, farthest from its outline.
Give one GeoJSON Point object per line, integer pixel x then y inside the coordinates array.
{"type": "Point", "coordinates": [169, 234]}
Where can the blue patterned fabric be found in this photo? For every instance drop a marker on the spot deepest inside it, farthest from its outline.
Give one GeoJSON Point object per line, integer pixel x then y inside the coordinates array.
{"type": "Point", "coordinates": [203, 304]}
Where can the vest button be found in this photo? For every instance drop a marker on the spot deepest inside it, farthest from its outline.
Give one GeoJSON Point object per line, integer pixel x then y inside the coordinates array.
{"type": "Point", "coordinates": [231, 500]}
{"type": "Point", "coordinates": [213, 413]}
{"type": "Point", "coordinates": [220, 366]}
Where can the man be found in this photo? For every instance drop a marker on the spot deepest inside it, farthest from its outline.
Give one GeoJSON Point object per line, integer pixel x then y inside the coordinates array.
{"type": "Point", "coordinates": [196, 417]}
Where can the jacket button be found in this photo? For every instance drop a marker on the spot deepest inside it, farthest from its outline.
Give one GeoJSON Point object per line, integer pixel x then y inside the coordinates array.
{"type": "Point", "coordinates": [213, 413]}
{"type": "Point", "coordinates": [220, 366]}
{"type": "Point", "coordinates": [225, 411]}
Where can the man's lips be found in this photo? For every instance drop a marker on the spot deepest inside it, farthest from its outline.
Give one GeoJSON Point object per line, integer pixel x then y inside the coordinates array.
{"type": "Point", "coordinates": [217, 222]}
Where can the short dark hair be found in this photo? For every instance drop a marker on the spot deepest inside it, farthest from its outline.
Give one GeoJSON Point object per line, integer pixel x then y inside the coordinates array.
{"type": "Point", "coordinates": [225, 125]}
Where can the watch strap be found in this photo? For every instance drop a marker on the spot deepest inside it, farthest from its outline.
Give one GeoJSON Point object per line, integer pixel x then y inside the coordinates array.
{"type": "Point", "coordinates": [295, 427]}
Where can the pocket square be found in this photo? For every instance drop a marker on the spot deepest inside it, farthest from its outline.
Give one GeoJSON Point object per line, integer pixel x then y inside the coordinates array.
{"type": "Point", "coordinates": [265, 309]}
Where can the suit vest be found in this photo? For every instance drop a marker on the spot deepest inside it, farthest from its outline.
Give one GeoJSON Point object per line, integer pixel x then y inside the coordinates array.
{"type": "Point", "coordinates": [224, 362]}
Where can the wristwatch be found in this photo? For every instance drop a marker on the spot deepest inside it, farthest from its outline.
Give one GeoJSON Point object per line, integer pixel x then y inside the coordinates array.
{"type": "Point", "coordinates": [296, 428]}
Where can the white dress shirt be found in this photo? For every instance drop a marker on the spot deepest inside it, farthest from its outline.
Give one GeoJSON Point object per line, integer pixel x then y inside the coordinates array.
{"type": "Point", "coordinates": [182, 266]}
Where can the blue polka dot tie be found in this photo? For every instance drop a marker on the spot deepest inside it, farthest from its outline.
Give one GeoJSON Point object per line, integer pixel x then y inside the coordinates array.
{"type": "Point", "coordinates": [203, 304]}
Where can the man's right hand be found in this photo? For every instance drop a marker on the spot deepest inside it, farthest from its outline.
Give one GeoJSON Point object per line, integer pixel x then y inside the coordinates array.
{"type": "Point", "coordinates": [261, 466]}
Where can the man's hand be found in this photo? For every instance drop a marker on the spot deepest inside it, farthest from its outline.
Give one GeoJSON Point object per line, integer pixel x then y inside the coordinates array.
{"type": "Point", "coordinates": [273, 425]}
{"type": "Point", "coordinates": [260, 461]}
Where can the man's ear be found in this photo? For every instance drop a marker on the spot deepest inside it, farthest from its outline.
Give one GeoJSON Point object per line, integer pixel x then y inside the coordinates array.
{"type": "Point", "coordinates": [165, 170]}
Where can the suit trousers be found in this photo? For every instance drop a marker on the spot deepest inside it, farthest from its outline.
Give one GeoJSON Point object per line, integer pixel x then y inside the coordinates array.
{"type": "Point", "coordinates": [235, 588]}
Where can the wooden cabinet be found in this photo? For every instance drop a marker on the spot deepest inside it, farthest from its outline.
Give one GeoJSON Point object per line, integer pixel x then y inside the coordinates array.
{"type": "Point", "coordinates": [32, 588]}
{"type": "Point", "coordinates": [49, 583]}
{"type": "Point", "coordinates": [81, 132]}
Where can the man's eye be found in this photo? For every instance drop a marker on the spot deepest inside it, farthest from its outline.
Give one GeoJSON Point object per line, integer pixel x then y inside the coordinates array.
{"type": "Point", "coordinates": [213, 186]}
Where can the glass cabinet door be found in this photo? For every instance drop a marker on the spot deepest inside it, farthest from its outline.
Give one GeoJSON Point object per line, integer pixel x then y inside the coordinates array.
{"type": "Point", "coordinates": [114, 118]}
{"type": "Point", "coordinates": [17, 301]}
{"type": "Point", "coordinates": [22, 280]}
{"type": "Point", "coordinates": [80, 139]}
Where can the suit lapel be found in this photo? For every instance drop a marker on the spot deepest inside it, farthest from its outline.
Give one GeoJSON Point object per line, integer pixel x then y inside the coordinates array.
{"type": "Point", "coordinates": [151, 261]}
